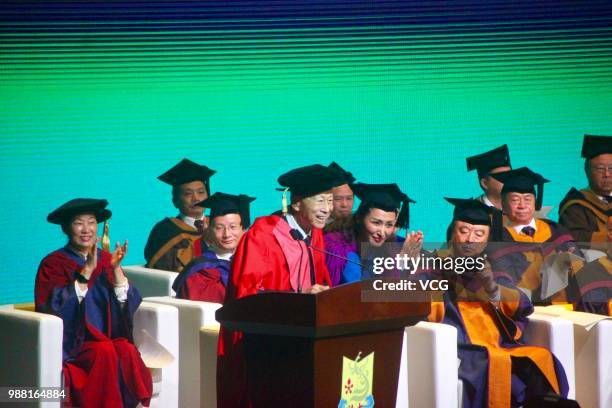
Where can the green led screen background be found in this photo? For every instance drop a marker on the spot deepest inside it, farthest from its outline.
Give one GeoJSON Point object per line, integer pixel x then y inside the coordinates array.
{"type": "Point", "coordinates": [98, 99]}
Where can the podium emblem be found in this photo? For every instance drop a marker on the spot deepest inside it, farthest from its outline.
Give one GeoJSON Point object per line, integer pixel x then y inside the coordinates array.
{"type": "Point", "coordinates": [357, 377]}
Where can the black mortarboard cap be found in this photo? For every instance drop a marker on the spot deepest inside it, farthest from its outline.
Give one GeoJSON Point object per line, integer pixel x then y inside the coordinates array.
{"type": "Point", "coordinates": [347, 175]}
{"type": "Point", "coordinates": [523, 180]}
{"type": "Point", "coordinates": [310, 180]}
{"type": "Point", "coordinates": [187, 171]}
{"type": "Point", "coordinates": [387, 197]}
{"type": "Point", "coordinates": [478, 213]}
{"type": "Point", "coordinates": [487, 161]}
{"type": "Point", "coordinates": [222, 204]}
{"type": "Point", "coordinates": [593, 146]}
{"type": "Point", "coordinates": [72, 208]}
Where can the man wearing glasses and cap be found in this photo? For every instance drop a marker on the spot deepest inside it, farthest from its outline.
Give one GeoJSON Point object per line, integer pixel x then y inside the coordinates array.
{"type": "Point", "coordinates": [585, 212]}
{"type": "Point", "coordinates": [171, 242]}
{"type": "Point", "coordinates": [280, 252]}
{"type": "Point", "coordinates": [205, 277]}
{"type": "Point", "coordinates": [532, 239]}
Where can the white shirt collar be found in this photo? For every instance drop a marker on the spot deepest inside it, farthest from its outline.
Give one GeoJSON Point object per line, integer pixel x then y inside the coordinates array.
{"type": "Point", "coordinates": [486, 201]}
{"type": "Point", "coordinates": [531, 224]}
{"type": "Point", "coordinates": [227, 256]}
{"type": "Point", "coordinates": [189, 220]}
{"type": "Point", "coordinates": [602, 198]}
{"type": "Point", "coordinates": [293, 224]}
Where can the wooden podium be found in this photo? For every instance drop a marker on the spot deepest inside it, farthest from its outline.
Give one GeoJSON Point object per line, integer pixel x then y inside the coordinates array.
{"type": "Point", "coordinates": [295, 343]}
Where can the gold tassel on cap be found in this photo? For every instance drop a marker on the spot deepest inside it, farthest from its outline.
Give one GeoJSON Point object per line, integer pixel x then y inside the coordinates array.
{"type": "Point", "coordinates": [284, 201]}
{"type": "Point", "coordinates": [106, 238]}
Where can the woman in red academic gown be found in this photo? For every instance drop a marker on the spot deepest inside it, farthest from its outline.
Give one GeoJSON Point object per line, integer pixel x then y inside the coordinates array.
{"type": "Point", "coordinates": [87, 289]}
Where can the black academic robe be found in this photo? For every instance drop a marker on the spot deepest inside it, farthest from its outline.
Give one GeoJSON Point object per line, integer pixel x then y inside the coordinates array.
{"type": "Point", "coordinates": [521, 257]}
{"type": "Point", "coordinates": [591, 287]}
{"type": "Point", "coordinates": [585, 216]}
{"type": "Point", "coordinates": [172, 244]}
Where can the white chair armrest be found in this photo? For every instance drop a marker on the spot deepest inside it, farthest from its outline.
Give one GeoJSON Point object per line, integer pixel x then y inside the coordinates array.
{"type": "Point", "coordinates": [30, 350]}
{"type": "Point", "coordinates": [151, 282]}
{"type": "Point", "coordinates": [593, 353]}
{"type": "Point", "coordinates": [161, 322]}
{"type": "Point", "coordinates": [192, 316]}
{"type": "Point", "coordinates": [557, 335]}
{"type": "Point", "coordinates": [433, 371]}
{"type": "Point", "coordinates": [209, 338]}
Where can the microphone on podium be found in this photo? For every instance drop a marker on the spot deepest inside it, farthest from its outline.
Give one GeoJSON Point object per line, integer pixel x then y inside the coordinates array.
{"type": "Point", "coordinates": [297, 235]}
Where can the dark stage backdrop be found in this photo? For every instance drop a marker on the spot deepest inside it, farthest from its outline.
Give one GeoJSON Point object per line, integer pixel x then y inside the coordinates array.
{"type": "Point", "coordinates": [99, 98]}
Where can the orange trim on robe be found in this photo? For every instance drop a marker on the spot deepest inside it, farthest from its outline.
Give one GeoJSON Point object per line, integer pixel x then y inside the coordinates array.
{"type": "Point", "coordinates": [542, 234]}
{"type": "Point", "coordinates": [436, 315]}
{"type": "Point", "coordinates": [532, 279]}
{"type": "Point", "coordinates": [479, 321]}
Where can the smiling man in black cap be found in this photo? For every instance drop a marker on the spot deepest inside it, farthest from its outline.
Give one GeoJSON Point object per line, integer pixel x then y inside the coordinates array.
{"type": "Point", "coordinates": [521, 196]}
{"type": "Point", "coordinates": [486, 164]}
{"type": "Point", "coordinates": [278, 253]}
{"type": "Point", "coordinates": [585, 212]}
{"type": "Point", "coordinates": [205, 277]}
{"type": "Point", "coordinates": [489, 314]}
{"type": "Point", "coordinates": [171, 242]}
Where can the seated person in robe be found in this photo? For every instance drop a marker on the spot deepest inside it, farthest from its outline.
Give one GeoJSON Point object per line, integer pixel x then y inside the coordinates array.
{"type": "Point", "coordinates": [205, 278]}
{"type": "Point", "coordinates": [584, 212]}
{"type": "Point", "coordinates": [383, 208]}
{"type": "Point", "coordinates": [86, 287]}
{"type": "Point", "coordinates": [527, 240]}
{"type": "Point", "coordinates": [486, 164]}
{"type": "Point", "coordinates": [591, 287]}
{"type": "Point", "coordinates": [175, 241]}
{"type": "Point", "coordinates": [280, 252]}
{"type": "Point", "coordinates": [344, 199]}
{"type": "Point", "coordinates": [489, 314]}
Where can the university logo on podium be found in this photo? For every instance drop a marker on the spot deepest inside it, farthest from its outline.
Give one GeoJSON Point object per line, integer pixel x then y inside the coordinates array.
{"type": "Point", "coordinates": [357, 377]}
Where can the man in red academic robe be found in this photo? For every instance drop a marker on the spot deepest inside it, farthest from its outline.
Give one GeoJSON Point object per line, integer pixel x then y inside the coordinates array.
{"type": "Point", "coordinates": [279, 252]}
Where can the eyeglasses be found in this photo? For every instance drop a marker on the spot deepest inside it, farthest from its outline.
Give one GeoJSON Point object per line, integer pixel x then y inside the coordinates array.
{"type": "Point", "coordinates": [602, 169]}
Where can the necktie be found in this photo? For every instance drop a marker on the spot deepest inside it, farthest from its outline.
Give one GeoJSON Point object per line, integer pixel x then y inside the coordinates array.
{"type": "Point", "coordinates": [608, 199]}
{"type": "Point", "coordinates": [199, 224]}
{"type": "Point", "coordinates": [529, 231]}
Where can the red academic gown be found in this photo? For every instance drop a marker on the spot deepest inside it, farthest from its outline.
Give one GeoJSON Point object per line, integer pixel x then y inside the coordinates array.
{"type": "Point", "coordinates": [204, 279]}
{"type": "Point", "coordinates": [267, 259]}
{"type": "Point", "coordinates": [102, 367]}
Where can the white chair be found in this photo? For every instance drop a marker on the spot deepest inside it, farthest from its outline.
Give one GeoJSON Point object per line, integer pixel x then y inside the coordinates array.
{"type": "Point", "coordinates": [592, 354]}
{"type": "Point", "coordinates": [432, 369]}
{"type": "Point", "coordinates": [32, 342]}
{"type": "Point", "coordinates": [209, 338]}
{"type": "Point", "coordinates": [557, 335]}
{"type": "Point", "coordinates": [151, 282]}
{"type": "Point", "coordinates": [161, 322]}
{"type": "Point", "coordinates": [192, 316]}
{"type": "Point", "coordinates": [30, 350]}
{"type": "Point", "coordinates": [432, 359]}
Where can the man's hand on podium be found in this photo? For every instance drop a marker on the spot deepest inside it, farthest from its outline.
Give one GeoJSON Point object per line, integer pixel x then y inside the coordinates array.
{"type": "Point", "coordinates": [314, 289]}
